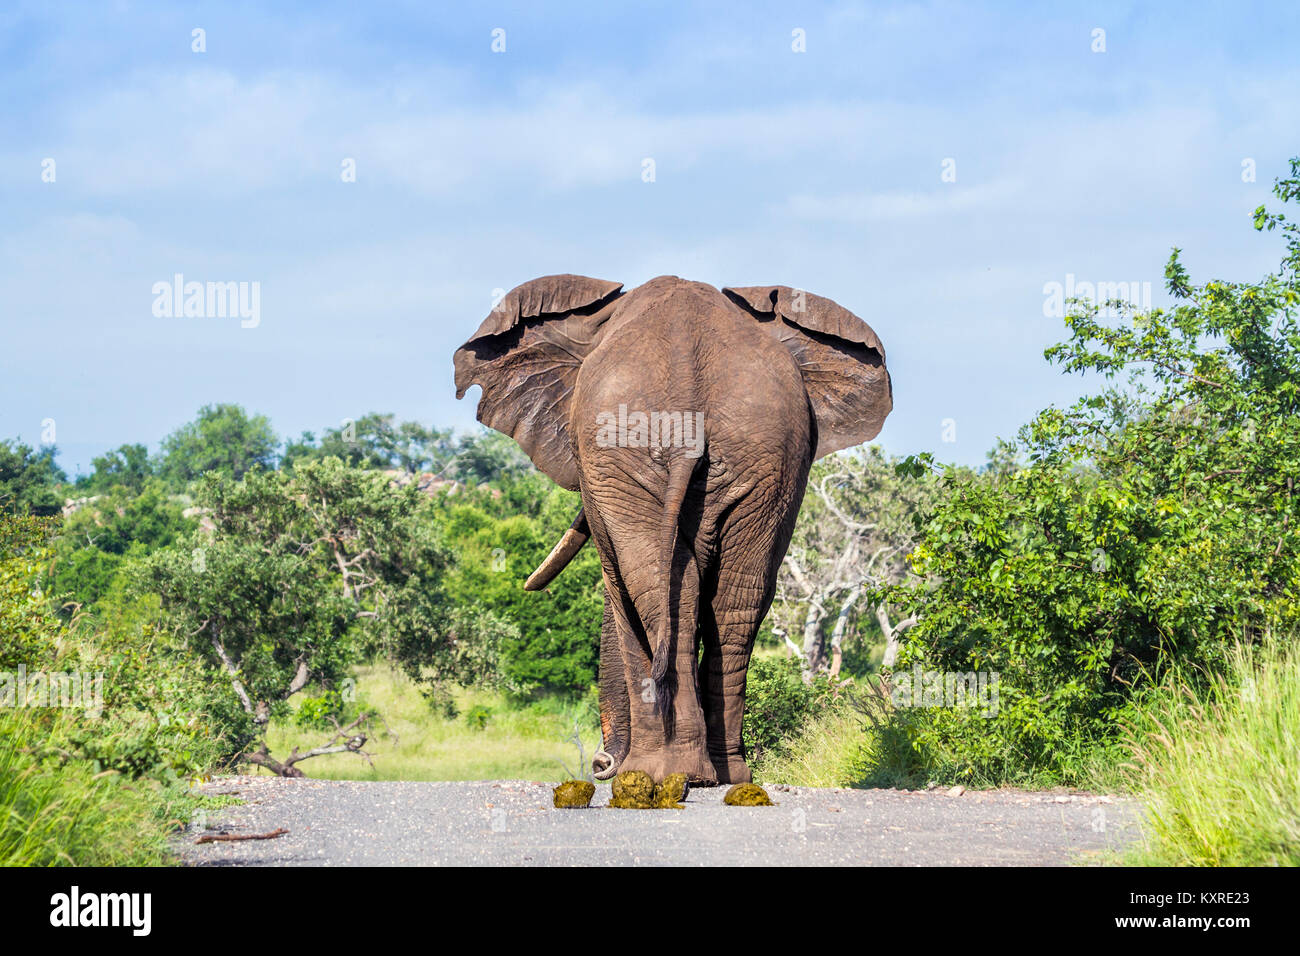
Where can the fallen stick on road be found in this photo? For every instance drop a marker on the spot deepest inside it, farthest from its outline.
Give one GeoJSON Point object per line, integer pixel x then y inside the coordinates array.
{"type": "Point", "coordinates": [232, 837]}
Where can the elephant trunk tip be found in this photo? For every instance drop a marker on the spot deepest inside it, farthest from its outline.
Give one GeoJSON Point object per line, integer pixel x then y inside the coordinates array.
{"type": "Point", "coordinates": [602, 765]}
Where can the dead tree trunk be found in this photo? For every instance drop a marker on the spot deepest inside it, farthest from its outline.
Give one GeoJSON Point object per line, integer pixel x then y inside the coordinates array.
{"type": "Point", "coordinates": [892, 633]}
{"type": "Point", "coordinates": [814, 652]}
{"type": "Point", "coordinates": [841, 625]}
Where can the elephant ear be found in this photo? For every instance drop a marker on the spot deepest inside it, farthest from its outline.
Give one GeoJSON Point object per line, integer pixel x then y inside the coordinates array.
{"type": "Point", "coordinates": [842, 361]}
{"type": "Point", "coordinates": [526, 357]}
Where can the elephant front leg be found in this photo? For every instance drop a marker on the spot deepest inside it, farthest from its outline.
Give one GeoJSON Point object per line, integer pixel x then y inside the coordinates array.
{"type": "Point", "coordinates": [615, 712]}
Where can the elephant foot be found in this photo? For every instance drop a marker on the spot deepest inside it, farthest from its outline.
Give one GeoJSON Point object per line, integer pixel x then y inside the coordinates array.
{"type": "Point", "coordinates": [732, 770]}
{"type": "Point", "coordinates": [695, 764]}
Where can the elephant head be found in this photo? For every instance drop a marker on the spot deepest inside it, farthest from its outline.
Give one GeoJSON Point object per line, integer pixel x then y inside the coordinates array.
{"type": "Point", "coordinates": [779, 377]}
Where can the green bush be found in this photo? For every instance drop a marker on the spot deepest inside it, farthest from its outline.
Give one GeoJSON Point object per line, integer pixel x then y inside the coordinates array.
{"type": "Point", "coordinates": [549, 640]}
{"type": "Point", "coordinates": [478, 716]}
{"type": "Point", "coordinates": [102, 536]}
{"type": "Point", "coordinates": [58, 811]}
{"type": "Point", "coordinates": [320, 712]}
{"type": "Point", "coordinates": [1151, 527]}
{"type": "Point", "coordinates": [95, 783]}
{"type": "Point", "coordinates": [778, 702]}
{"type": "Point", "coordinates": [26, 633]}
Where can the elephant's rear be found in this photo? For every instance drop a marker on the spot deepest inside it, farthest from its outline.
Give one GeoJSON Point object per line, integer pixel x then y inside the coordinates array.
{"type": "Point", "coordinates": [685, 383]}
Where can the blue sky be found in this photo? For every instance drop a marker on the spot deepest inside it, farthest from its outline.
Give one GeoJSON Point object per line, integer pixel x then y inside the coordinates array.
{"type": "Point", "coordinates": [478, 170]}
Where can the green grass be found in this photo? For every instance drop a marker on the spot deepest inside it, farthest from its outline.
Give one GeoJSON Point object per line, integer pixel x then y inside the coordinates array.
{"type": "Point", "coordinates": [526, 742]}
{"type": "Point", "coordinates": [1217, 764]}
{"type": "Point", "coordinates": [52, 815]}
{"type": "Point", "coordinates": [843, 746]}
{"type": "Point", "coordinates": [834, 749]}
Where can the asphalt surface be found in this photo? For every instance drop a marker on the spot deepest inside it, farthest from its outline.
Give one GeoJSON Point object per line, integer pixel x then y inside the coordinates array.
{"type": "Point", "coordinates": [513, 823]}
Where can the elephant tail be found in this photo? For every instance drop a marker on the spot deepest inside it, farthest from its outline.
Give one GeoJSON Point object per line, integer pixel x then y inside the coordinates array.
{"type": "Point", "coordinates": [679, 479]}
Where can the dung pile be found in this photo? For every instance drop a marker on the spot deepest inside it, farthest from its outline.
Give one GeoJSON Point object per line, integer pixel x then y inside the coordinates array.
{"type": "Point", "coordinates": [747, 795]}
{"type": "Point", "coordinates": [671, 792]}
{"type": "Point", "coordinates": [636, 790]}
{"type": "Point", "coordinates": [574, 795]}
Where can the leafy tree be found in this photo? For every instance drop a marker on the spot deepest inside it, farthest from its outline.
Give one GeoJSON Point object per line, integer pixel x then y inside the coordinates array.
{"type": "Point", "coordinates": [98, 538]}
{"type": "Point", "coordinates": [377, 441]}
{"type": "Point", "coordinates": [250, 602]}
{"type": "Point", "coordinates": [127, 467]}
{"type": "Point", "coordinates": [497, 542]}
{"type": "Point", "coordinates": [223, 438]}
{"type": "Point", "coordinates": [154, 719]}
{"type": "Point", "coordinates": [29, 479]}
{"type": "Point", "coordinates": [24, 554]}
{"type": "Point", "coordinates": [1151, 524]}
{"type": "Point", "coordinates": [300, 573]}
{"type": "Point", "coordinates": [490, 456]}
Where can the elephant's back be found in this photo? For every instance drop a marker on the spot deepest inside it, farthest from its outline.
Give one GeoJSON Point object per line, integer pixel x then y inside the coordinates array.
{"type": "Point", "coordinates": [674, 345]}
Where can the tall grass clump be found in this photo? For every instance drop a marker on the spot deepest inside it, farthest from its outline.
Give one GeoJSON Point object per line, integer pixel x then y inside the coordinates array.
{"type": "Point", "coordinates": [832, 749]}
{"type": "Point", "coordinates": [56, 812]}
{"type": "Point", "coordinates": [1217, 764]}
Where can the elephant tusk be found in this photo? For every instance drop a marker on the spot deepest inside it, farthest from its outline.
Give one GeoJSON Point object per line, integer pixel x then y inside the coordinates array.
{"type": "Point", "coordinates": [561, 554]}
{"type": "Point", "coordinates": [602, 765]}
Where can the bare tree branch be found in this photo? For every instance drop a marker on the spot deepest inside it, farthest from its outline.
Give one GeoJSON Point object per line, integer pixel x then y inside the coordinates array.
{"type": "Point", "coordinates": [233, 837]}
{"type": "Point", "coordinates": [892, 633]}
{"type": "Point", "coordinates": [343, 741]}
{"type": "Point", "coordinates": [232, 670]}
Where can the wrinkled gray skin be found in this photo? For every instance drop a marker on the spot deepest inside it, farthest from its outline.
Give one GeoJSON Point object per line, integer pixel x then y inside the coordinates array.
{"type": "Point", "coordinates": [690, 534]}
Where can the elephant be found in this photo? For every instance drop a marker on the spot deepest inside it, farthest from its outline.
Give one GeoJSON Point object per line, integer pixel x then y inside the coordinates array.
{"type": "Point", "coordinates": [687, 418]}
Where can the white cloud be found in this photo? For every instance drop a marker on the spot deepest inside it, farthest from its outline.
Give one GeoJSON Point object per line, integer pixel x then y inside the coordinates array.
{"type": "Point", "coordinates": [214, 133]}
{"type": "Point", "coordinates": [877, 206]}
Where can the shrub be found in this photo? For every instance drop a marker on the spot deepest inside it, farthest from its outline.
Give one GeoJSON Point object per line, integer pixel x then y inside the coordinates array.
{"type": "Point", "coordinates": [830, 749]}
{"type": "Point", "coordinates": [478, 716]}
{"type": "Point", "coordinates": [92, 786]}
{"type": "Point", "coordinates": [315, 713]}
{"type": "Point", "coordinates": [57, 811]}
{"type": "Point", "coordinates": [1151, 527]}
{"type": "Point", "coordinates": [777, 702]}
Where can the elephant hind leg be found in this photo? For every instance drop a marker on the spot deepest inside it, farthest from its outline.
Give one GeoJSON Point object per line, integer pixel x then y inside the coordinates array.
{"type": "Point", "coordinates": [668, 733]}
{"type": "Point", "coordinates": [728, 644]}
{"type": "Point", "coordinates": [739, 594]}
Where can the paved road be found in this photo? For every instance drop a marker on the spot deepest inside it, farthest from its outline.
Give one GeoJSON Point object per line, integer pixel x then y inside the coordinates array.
{"type": "Point", "coordinates": [512, 823]}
